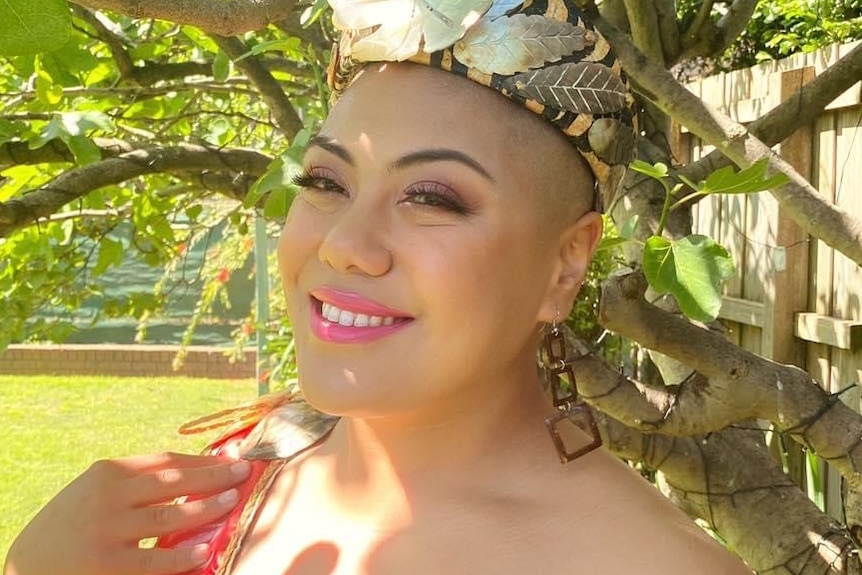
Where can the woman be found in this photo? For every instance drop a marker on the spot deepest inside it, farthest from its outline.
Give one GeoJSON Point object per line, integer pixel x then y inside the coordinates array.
{"type": "Point", "coordinates": [440, 226]}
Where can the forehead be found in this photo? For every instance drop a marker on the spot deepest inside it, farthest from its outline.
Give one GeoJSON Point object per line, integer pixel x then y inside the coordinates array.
{"type": "Point", "coordinates": [396, 107]}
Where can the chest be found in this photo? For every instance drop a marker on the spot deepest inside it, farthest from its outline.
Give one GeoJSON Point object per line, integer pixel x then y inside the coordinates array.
{"type": "Point", "coordinates": [500, 535]}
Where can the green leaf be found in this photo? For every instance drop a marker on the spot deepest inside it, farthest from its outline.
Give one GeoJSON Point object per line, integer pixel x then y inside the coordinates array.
{"type": "Point", "coordinates": [287, 45]}
{"type": "Point", "coordinates": [95, 200]}
{"type": "Point", "coordinates": [691, 269]}
{"type": "Point", "coordinates": [69, 124]}
{"type": "Point", "coordinates": [47, 91]}
{"type": "Point", "coordinates": [278, 176]}
{"type": "Point", "coordinates": [84, 150]}
{"type": "Point", "coordinates": [79, 122]}
{"type": "Point", "coordinates": [193, 212]}
{"type": "Point", "coordinates": [277, 203]}
{"type": "Point", "coordinates": [657, 171]}
{"type": "Point", "coordinates": [110, 254]}
{"type": "Point", "coordinates": [31, 27]}
{"type": "Point", "coordinates": [66, 65]}
{"type": "Point", "coordinates": [312, 13]}
{"type": "Point", "coordinates": [221, 67]}
{"type": "Point", "coordinates": [611, 243]}
{"type": "Point", "coordinates": [8, 130]}
{"type": "Point", "coordinates": [748, 181]}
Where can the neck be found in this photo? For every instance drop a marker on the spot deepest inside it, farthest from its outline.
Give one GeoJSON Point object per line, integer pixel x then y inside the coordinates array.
{"type": "Point", "coordinates": [498, 426]}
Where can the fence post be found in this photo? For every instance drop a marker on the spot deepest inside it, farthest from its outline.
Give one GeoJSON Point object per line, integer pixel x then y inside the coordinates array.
{"type": "Point", "coordinates": [787, 293]}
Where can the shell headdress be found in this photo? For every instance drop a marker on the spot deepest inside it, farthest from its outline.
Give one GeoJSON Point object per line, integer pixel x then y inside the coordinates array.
{"type": "Point", "coordinates": [543, 54]}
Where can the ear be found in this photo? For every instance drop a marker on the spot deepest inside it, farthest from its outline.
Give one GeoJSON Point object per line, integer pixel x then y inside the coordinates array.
{"type": "Point", "coordinates": [577, 244]}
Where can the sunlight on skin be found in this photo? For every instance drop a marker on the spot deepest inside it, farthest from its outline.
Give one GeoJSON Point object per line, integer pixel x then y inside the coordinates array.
{"type": "Point", "coordinates": [350, 377]}
{"type": "Point", "coordinates": [366, 144]}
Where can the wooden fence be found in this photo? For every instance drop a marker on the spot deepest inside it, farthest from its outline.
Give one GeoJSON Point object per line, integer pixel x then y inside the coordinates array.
{"type": "Point", "coordinates": [793, 299]}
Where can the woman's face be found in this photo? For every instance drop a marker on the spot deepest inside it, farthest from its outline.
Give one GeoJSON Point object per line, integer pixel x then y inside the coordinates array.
{"type": "Point", "coordinates": [419, 256]}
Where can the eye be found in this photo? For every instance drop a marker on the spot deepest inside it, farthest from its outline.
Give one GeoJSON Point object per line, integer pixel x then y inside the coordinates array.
{"type": "Point", "coordinates": [436, 196]}
{"type": "Point", "coordinates": [310, 180]}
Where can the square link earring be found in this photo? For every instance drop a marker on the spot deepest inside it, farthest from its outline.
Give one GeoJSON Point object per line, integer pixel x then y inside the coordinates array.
{"type": "Point", "coordinates": [560, 379]}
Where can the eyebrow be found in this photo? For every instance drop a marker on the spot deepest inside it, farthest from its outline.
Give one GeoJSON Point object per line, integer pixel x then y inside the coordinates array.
{"type": "Point", "coordinates": [411, 159]}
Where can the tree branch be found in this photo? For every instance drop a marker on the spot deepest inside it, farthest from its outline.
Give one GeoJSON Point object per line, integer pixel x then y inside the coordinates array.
{"type": "Point", "coordinates": [714, 477]}
{"type": "Point", "coordinates": [282, 110]}
{"type": "Point", "coordinates": [151, 72]}
{"type": "Point", "coordinates": [815, 214]}
{"type": "Point", "coordinates": [741, 385]}
{"type": "Point", "coordinates": [693, 33]}
{"type": "Point", "coordinates": [713, 38]}
{"type": "Point", "coordinates": [643, 20]}
{"type": "Point", "coordinates": [192, 160]}
{"type": "Point", "coordinates": [116, 44]}
{"type": "Point", "coordinates": [55, 151]}
{"type": "Point", "coordinates": [733, 23]}
{"type": "Point", "coordinates": [668, 28]}
{"type": "Point", "coordinates": [799, 110]}
{"type": "Point", "coordinates": [225, 17]}
{"type": "Point", "coordinates": [615, 12]}
{"type": "Point", "coordinates": [231, 87]}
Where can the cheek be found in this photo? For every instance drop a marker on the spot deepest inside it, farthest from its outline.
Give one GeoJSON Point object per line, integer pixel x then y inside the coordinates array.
{"type": "Point", "coordinates": [297, 244]}
{"type": "Point", "coordinates": [487, 276]}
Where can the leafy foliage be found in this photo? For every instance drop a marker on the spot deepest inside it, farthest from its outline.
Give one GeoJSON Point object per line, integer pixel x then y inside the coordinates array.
{"type": "Point", "coordinates": [779, 28]}
{"type": "Point", "coordinates": [694, 268]}
{"type": "Point", "coordinates": [118, 85]}
{"type": "Point", "coordinates": [31, 27]}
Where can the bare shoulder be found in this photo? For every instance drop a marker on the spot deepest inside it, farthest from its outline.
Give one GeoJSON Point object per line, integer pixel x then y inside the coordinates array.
{"type": "Point", "coordinates": [630, 525]}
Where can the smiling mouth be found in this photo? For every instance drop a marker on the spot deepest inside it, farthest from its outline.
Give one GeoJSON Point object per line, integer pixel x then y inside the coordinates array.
{"type": "Point", "coordinates": [347, 318]}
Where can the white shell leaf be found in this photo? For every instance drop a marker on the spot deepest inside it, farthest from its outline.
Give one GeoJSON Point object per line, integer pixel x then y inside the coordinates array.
{"type": "Point", "coordinates": [358, 14]}
{"type": "Point", "coordinates": [501, 7]}
{"type": "Point", "coordinates": [582, 88]}
{"type": "Point", "coordinates": [518, 43]}
{"type": "Point", "coordinates": [446, 21]}
{"type": "Point", "coordinates": [393, 42]}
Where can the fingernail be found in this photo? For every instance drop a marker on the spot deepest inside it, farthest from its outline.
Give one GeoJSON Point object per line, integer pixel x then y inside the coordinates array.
{"type": "Point", "coordinates": [229, 497]}
{"type": "Point", "coordinates": [240, 468]}
{"type": "Point", "coordinates": [200, 553]}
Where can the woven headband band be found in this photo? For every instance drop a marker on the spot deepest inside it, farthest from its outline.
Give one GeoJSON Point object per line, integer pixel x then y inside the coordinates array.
{"type": "Point", "coordinates": [542, 54]}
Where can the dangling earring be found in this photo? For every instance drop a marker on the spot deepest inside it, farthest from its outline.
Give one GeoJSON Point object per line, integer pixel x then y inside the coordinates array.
{"type": "Point", "coordinates": [564, 394]}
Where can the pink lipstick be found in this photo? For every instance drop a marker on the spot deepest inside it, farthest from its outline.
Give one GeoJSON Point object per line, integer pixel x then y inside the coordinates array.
{"type": "Point", "coordinates": [340, 316]}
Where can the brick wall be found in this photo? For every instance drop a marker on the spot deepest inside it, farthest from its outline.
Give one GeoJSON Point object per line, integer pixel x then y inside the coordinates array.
{"type": "Point", "coordinates": [123, 360]}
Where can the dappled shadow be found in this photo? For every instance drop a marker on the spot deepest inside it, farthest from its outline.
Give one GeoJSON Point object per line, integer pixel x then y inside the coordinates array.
{"type": "Point", "coordinates": [318, 559]}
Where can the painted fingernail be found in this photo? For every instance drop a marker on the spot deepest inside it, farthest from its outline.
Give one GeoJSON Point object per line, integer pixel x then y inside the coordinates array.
{"type": "Point", "coordinates": [229, 497]}
{"type": "Point", "coordinates": [200, 553]}
{"type": "Point", "coordinates": [240, 468]}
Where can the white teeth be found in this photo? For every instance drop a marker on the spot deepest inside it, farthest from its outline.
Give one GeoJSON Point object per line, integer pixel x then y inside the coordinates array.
{"type": "Point", "coordinates": [351, 319]}
{"type": "Point", "coordinates": [331, 312]}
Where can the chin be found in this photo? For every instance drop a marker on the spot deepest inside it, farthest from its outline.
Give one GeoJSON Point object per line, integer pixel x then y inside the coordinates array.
{"type": "Point", "coordinates": [346, 395]}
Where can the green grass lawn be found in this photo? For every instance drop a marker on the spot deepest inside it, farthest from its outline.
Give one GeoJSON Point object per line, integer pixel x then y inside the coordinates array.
{"type": "Point", "coordinates": [52, 428]}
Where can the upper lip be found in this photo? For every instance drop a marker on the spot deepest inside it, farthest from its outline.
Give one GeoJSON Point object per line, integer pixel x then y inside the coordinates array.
{"type": "Point", "coordinates": [352, 301]}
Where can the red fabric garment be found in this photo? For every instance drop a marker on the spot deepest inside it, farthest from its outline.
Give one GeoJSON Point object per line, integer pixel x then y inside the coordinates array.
{"type": "Point", "coordinates": [218, 535]}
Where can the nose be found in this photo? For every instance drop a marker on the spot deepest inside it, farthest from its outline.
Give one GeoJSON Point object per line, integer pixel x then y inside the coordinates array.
{"type": "Point", "coordinates": [355, 243]}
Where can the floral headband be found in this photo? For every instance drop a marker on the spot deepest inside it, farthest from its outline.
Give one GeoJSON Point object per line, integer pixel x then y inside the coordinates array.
{"type": "Point", "coordinates": [542, 54]}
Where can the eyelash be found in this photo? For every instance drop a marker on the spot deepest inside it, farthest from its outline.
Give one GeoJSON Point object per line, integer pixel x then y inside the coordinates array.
{"type": "Point", "coordinates": [440, 197]}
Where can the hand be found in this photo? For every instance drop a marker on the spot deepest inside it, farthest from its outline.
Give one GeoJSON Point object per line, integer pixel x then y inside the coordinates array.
{"type": "Point", "coordinates": [94, 525]}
